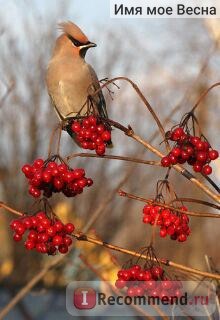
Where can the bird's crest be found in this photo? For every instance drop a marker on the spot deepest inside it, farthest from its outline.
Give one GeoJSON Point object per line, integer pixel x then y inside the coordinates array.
{"type": "Point", "coordinates": [71, 29]}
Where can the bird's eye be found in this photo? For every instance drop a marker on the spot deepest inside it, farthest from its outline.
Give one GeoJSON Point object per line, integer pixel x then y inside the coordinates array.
{"type": "Point", "coordinates": [75, 42]}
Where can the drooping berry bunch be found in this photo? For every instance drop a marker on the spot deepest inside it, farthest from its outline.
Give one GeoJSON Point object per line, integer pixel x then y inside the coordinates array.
{"type": "Point", "coordinates": [172, 223]}
{"type": "Point", "coordinates": [49, 177]}
{"type": "Point", "coordinates": [91, 133]}
{"type": "Point", "coordinates": [45, 235]}
{"type": "Point", "coordinates": [194, 150]}
{"type": "Point", "coordinates": [150, 281]}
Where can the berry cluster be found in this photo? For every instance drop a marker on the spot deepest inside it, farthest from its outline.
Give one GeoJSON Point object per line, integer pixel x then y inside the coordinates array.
{"type": "Point", "coordinates": [192, 149]}
{"type": "Point", "coordinates": [45, 235]}
{"type": "Point", "coordinates": [172, 223]}
{"type": "Point", "coordinates": [91, 134]}
{"type": "Point", "coordinates": [147, 281]}
{"type": "Point", "coordinates": [49, 177]}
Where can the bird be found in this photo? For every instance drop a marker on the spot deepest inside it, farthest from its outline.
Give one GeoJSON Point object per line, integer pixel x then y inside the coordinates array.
{"type": "Point", "coordinates": [71, 81]}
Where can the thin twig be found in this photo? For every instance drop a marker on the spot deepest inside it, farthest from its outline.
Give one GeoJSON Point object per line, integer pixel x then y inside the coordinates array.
{"type": "Point", "coordinates": [92, 155]}
{"type": "Point", "coordinates": [84, 237]}
{"type": "Point", "coordinates": [205, 203]}
{"type": "Point", "coordinates": [203, 95]}
{"type": "Point", "coordinates": [150, 201]}
{"type": "Point", "coordinates": [6, 207]}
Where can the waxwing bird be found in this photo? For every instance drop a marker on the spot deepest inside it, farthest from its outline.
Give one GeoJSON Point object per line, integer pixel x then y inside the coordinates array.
{"type": "Point", "coordinates": [70, 80]}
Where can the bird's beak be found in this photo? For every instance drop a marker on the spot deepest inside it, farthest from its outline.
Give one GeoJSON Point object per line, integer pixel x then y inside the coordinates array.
{"type": "Point", "coordinates": [88, 45]}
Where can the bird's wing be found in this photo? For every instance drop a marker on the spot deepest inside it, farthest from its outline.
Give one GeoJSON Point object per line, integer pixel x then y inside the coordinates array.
{"type": "Point", "coordinates": [98, 99]}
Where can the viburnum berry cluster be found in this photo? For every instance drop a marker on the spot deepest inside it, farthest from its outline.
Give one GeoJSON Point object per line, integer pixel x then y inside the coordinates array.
{"type": "Point", "coordinates": [172, 223]}
{"type": "Point", "coordinates": [150, 281]}
{"type": "Point", "coordinates": [44, 234]}
{"type": "Point", "coordinates": [194, 150]}
{"type": "Point", "coordinates": [49, 176]}
{"type": "Point", "coordinates": [92, 133]}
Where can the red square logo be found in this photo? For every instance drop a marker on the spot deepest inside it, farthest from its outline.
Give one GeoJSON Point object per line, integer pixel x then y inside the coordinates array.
{"type": "Point", "coordinates": [84, 298]}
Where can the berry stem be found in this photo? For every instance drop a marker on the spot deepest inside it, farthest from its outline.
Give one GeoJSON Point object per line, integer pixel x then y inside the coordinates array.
{"type": "Point", "coordinates": [150, 201]}
{"type": "Point", "coordinates": [145, 101]}
{"type": "Point", "coordinates": [91, 155]}
{"type": "Point", "coordinates": [6, 207]}
{"type": "Point", "coordinates": [205, 203]}
{"type": "Point", "coordinates": [204, 94]}
{"type": "Point", "coordinates": [52, 139]}
{"type": "Point", "coordinates": [84, 237]}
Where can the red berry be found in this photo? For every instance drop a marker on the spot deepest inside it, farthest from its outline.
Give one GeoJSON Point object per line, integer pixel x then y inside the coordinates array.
{"type": "Point", "coordinates": [38, 163]}
{"type": "Point", "coordinates": [173, 159]}
{"type": "Point", "coordinates": [29, 244]}
{"type": "Point", "coordinates": [76, 126]}
{"type": "Point", "coordinates": [100, 128]}
{"type": "Point", "coordinates": [171, 230]}
{"type": "Point", "coordinates": [147, 218]}
{"type": "Point", "coordinates": [194, 140]}
{"type": "Point", "coordinates": [185, 155]}
{"type": "Point", "coordinates": [120, 283]}
{"type": "Point", "coordinates": [20, 229]}
{"type": "Point", "coordinates": [69, 228]}
{"type": "Point", "coordinates": [92, 120]}
{"type": "Point", "coordinates": [58, 225]}
{"type": "Point", "coordinates": [40, 215]}
{"type": "Point", "coordinates": [82, 183]}
{"type": "Point", "coordinates": [106, 135]}
{"type": "Point", "coordinates": [99, 141]}
{"type": "Point", "coordinates": [207, 170]}
{"type": "Point", "coordinates": [37, 193]}
{"type": "Point", "coordinates": [27, 170]}
{"type": "Point", "coordinates": [34, 221]}
{"type": "Point", "coordinates": [182, 237]}
{"type": "Point", "coordinates": [89, 182]}
{"type": "Point", "coordinates": [17, 237]}
{"type": "Point", "coordinates": [178, 132]}
{"type": "Point", "coordinates": [213, 154]}
{"type": "Point", "coordinates": [58, 183]}
{"type": "Point", "coordinates": [163, 232]}
{"type": "Point", "coordinates": [57, 240]}
{"type": "Point", "coordinates": [197, 167]}
{"type": "Point", "coordinates": [100, 150]}
{"type": "Point", "coordinates": [201, 156]}
{"type": "Point", "coordinates": [47, 175]}
{"type": "Point", "coordinates": [63, 248]}
{"type": "Point", "coordinates": [189, 150]}
{"type": "Point", "coordinates": [165, 161]}
{"type": "Point", "coordinates": [27, 222]}
{"type": "Point", "coordinates": [200, 145]}
{"type": "Point", "coordinates": [176, 151]}
{"type": "Point", "coordinates": [51, 231]}
{"type": "Point", "coordinates": [32, 235]}
{"type": "Point", "coordinates": [45, 223]}
{"type": "Point", "coordinates": [67, 241]}
{"type": "Point", "coordinates": [51, 249]}
{"type": "Point", "coordinates": [157, 272]}
{"type": "Point", "coordinates": [68, 176]}
{"type": "Point", "coordinates": [62, 167]}
{"type": "Point", "coordinates": [14, 224]}
{"type": "Point", "coordinates": [78, 173]}
{"type": "Point", "coordinates": [52, 165]}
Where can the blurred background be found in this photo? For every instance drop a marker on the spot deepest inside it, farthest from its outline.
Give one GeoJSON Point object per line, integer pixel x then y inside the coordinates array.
{"type": "Point", "coordinates": [172, 61]}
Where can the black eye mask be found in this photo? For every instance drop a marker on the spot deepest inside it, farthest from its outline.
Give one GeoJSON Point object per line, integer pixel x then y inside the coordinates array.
{"type": "Point", "coordinates": [76, 42]}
